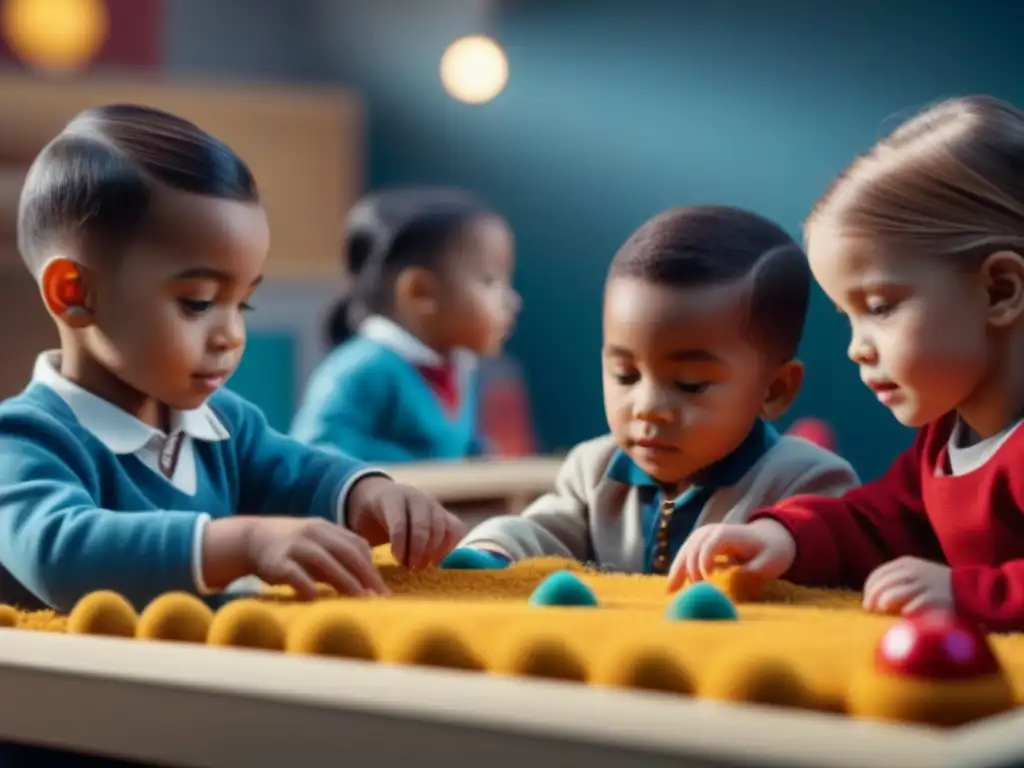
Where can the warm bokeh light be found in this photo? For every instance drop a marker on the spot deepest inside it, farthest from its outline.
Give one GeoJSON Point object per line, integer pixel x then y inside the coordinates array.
{"type": "Point", "coordinates": [55, 35]}
{"type": "Point", "coordinates": [474, 69]}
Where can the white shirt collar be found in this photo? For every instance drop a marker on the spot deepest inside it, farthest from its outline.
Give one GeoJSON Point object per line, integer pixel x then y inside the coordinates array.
{"type": "Point", "coordinates": [118, 430]}
{"type": "Point", "coordinates": [391, 335]}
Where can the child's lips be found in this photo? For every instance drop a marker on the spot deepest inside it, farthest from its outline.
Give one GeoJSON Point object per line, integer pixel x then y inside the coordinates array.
{"type": "Point", "coordinates": [212, 379]}
{"type": "Point", "coordinates": [654, 445]}
{"type": "Point", "coordinates": [887, 392]}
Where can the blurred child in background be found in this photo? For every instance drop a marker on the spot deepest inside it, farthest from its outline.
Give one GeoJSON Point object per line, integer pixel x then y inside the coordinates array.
{"type": "Point", "coordinates": [430, 291]}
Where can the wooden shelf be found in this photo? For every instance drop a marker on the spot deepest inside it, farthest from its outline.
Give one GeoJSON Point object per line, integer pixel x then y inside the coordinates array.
{"type": "Point", "coordinates": [304, 144]}
{"type": "Point", "coordinates": [513, 481]}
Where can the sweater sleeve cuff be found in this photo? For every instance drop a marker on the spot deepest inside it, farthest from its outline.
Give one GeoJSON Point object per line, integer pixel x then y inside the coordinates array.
{"type": "Point", "coordinates": [197, 555]}
{"type": "Point", "coordinates": [990, 595]}
{"type": "Point", "coordinates": [817, 557]}
{"type": "Point", "coordinates": [339, 511]}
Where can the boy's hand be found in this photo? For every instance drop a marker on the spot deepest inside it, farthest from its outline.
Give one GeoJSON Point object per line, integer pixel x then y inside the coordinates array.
{"type": "Point", "coordinates": [764, 548]}
{"type": "Point", "coordinates": [909, 585]}
{"type": "Point", "coordinates": [297, 552]}
{"type": "Point", "coordinates": [420, 530]}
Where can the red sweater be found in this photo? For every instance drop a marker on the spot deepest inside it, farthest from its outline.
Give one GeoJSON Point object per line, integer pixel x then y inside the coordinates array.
{"type": "Point", "coordinates": [973, 522]}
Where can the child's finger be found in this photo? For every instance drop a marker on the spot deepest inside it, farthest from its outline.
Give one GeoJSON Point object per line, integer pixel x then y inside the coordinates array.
{"type": "Point", "coordinates": [350, 554]}
{"type": "Point", "coordinates": [919, 604]}
{"type": "Point", "coordinates": [721, 541]}
{"type": "Point", "coordinates": [291, 574]}
{"type": "Point", "coordinates": [677, 573]}
{"type": "Point", "coordinates": [884, 576]}
{"type": "Point", "coordinates": [435, 514]}
{"type": "Point", "coordinates": [880, 585]}
{"type": "Point", "coordinates": [329, 567]}
{"type": "Point", "coordinates": [736, 542]}
{"type": "Point", "coordinates": [454, 525]}
{"type": "Point", "coordinates": [454, 531]}
{"type": "Point", "coordinates": [893, 599]}
{"type": "Point", "coordinates": [875, 575]}
{"type": "Point", "coordinates": [419, 524]}
{"type": "Point", "coordinates": [760, 563]}
{"type": "Point", "coordinates": [396, 515]}
{"type": "Point", "coordinates": [693, 547]}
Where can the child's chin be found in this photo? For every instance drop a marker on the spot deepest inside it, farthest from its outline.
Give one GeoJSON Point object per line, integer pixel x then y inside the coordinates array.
{"type": "Point", "coordinates": [664, 469]}
{"type": "Point", "coordinates": [495, 346]}
{"type": "Point", "coordinates": [188, 402]}
{"type": "Point", "coordinates": [913, 417]}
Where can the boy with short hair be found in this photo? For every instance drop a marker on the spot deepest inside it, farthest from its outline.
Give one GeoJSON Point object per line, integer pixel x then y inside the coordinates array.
{"type": "Point", "coordinates": [704, 308]}
{"type": "Point", "coordinates": [123, 465]}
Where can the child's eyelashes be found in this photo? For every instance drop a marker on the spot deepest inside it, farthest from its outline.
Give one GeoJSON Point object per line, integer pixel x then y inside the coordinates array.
{"type": "Point", "coordinates": [201, 306]}
{"type": "Point", "coordinates": [693, 387]}
{"type": "Point", "coordinates": [873, 307]}
{"type": "Point", "coordinates": [880, 307]}
{"type": "Point", "coordinates": [688, 387]}
{"type": "Point", "coordinates": [194, 306]}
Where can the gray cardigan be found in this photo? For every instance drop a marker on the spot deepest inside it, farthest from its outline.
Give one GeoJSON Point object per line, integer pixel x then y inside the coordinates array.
{"type": "Point", "coordinates": [591, 516]}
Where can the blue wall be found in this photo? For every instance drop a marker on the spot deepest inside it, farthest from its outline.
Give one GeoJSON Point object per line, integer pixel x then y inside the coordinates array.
{"type": "Point", "coordinates": [616, 110]}
{"type": "Point", "coordinates": [266, 376]}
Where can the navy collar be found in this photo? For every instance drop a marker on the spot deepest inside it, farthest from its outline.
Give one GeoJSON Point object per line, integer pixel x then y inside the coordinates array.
{"type": "Point", "coordinates": [724, 473]}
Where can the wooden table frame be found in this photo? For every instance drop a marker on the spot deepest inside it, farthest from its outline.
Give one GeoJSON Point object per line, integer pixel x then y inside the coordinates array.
{"type": "Point", "coordinates": [184, 705]}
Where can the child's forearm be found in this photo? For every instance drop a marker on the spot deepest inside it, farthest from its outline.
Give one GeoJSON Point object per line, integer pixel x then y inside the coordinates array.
{"type": "Point", "coordinates": [520, 536]}
{"type": "Point", "coordinates": [138, 554]}
{"type": "Point", "coordinates": [225, 551]}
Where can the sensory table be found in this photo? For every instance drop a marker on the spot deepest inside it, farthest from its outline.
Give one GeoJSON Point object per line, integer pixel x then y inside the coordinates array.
{"type": "Point", "coordinates": [461, 665]}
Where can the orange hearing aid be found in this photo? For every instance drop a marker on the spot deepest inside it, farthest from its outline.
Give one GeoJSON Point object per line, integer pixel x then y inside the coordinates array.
{"type": "Point", "coordinates": [69, 292]}
{"type": "Point", "coordinates": [66, 285]}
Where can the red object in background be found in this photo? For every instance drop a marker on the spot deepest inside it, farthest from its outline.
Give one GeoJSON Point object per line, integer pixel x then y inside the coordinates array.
{"type": "Point", "coordinates": [506, 423]}
{"type": "Point", "coordinates": [815, 431]}
{"type": "Point", "coordinates": [135, 40]}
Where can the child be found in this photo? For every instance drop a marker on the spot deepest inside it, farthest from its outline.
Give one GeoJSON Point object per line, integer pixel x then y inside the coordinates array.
{"type": "Point", "coordinates": [703, 312]}
{"type": "Point", "coordinates": [123, 465]}
{"type": "Point", "coordinates": [920, 243]}
{"type": "Point", "coordinates": [431, 271]}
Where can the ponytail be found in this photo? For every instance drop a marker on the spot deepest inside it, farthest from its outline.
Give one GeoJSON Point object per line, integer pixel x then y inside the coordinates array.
{"type": "Point", "coordinates": [359, 247]}
{"type": "Point", "coordinates": [339, 327]}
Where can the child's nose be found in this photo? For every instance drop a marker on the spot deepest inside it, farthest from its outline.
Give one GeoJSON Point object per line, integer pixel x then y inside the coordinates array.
{"type": "Point", "coordinates": [652, 404]}
{"type": "Point", "coordinates": [229, 335]}
{"type": "Point", "coordinates": [861, 350]}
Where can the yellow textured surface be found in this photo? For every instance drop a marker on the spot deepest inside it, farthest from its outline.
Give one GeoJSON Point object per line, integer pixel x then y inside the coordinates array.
{"type": "Point", "coordinates": [796, 646]}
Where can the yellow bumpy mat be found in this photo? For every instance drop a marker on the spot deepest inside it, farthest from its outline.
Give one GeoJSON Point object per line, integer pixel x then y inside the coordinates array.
{"type": "Point", "coordinates": [791, 646]}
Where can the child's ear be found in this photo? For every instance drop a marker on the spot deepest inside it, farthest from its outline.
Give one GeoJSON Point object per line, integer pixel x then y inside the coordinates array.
{"type": "Point", "coordinates": [417, 290]}
{"type": "Point", "coordinates": [64, 288]}
{"type": "Point", "coordinates": [782, 389]}
{"type": "Point", "coordinates": [1003, 275]}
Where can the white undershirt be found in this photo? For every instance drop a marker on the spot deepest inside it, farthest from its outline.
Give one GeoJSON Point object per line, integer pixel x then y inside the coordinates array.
{"type": "Point", "coordinates": [967, 452]}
